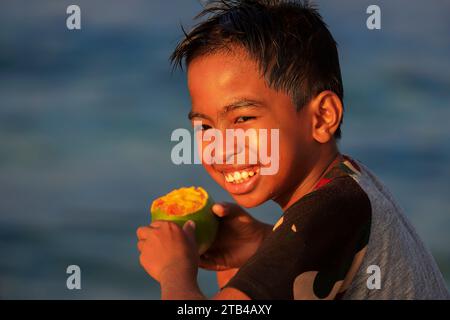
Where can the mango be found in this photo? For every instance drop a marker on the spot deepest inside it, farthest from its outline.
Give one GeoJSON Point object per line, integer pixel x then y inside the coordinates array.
{"type": "Point", "coordinates": [189, 203]}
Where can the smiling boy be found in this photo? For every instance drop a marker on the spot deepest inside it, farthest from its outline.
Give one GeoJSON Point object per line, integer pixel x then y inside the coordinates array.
{"type": "Point", "coordinates": [274, 65]}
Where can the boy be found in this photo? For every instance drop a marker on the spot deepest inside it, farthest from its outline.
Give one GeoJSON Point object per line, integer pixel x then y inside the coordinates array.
{"type": "Point", "coordinates": [274, 65]}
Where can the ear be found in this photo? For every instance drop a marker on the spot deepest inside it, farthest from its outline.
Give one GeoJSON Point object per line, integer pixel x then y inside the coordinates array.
{"type": "Point", "coordinates": [327, 113]}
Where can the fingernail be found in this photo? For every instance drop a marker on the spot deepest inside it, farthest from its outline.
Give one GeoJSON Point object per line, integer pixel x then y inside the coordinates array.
{"type": "Point", "coordinates": [191, 224]}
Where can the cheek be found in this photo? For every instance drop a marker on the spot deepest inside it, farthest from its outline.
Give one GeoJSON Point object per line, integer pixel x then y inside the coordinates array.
{"type": "Point", "coordinates": [217, 176]}
{"type": "Point", "coordinates": [206, 162]}
{"type": "Point", "coordinates": [205, 150]}
{"type": "Point", "coordinates": [288, 151]}
{"type": "Point", "coordinates": [210, 170]}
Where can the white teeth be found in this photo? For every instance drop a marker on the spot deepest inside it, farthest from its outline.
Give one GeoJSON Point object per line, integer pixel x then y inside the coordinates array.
{"type": "Point", "coordinates": [239, 177]}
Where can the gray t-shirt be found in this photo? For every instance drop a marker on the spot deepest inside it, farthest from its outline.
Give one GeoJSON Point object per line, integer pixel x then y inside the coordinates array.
{"type": "Point", "coordinates": [347, 239]}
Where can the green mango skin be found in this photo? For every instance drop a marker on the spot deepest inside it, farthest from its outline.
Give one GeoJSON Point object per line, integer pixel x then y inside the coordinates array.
{"type": "Point", "coordinates": [206, 224]}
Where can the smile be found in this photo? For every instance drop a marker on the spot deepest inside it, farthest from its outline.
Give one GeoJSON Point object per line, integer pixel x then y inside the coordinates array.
{"type": "Point", "coordinates": [240, 180]}
{"type": "Point", "coordinates": [241, 176]}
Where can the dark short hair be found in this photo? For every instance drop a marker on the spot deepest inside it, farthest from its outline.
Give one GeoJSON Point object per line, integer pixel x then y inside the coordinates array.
{"type": "Point", "coordinates": [288, 39]}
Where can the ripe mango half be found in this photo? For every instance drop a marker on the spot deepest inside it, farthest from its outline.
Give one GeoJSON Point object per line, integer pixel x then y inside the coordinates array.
{"type": "Point", "coordinates": [189, 203]}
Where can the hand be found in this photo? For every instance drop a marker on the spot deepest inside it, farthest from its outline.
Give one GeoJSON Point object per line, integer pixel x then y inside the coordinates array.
{"type": "Point", "coordinates": [238, 238]}
{"type": "Point", "coordinates": [167, 250]}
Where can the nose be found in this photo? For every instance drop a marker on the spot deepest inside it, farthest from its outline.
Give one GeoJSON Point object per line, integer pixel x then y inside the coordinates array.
{"type": "Point", "coordinates": [220, 150]}
{"type": "Point", "coordinates": [227, 152]}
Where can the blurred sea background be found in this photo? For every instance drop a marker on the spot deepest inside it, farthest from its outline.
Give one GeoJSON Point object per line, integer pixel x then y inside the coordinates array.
{"type": "Point", "coordinates": [86, 118]}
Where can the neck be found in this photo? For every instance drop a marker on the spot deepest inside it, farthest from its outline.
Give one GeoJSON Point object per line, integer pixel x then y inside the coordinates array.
{"type": "Point", "coordinates": [326, 160]}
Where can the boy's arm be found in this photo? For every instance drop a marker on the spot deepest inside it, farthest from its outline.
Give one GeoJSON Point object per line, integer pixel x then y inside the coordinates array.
{"type": "Point", "coordinates": [230, 294]}
{"type": "Point", "coordinates": [180, 287]}
{"type": "Point", "coordinates": [224, 276]}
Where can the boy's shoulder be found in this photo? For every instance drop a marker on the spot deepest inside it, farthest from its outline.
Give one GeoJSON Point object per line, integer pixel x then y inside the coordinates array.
{"type": "Point", "coordinates": [338, 195]}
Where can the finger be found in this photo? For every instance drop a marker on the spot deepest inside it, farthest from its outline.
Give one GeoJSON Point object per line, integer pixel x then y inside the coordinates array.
{"type": "Point", "coordinates": [225, 209]}
{"type": "Point", "coordinates": [143, 232]}
{"type": "Point", "coordinates": [207, 265]}
{"type": "Point", "coordinates": [211, 260]}
{"type": "Point", "coordinates": [157, 223]}
{"type": "Point", "coordinates": [140, 245]}
{"type": "Point", "coordinates": [220, 209]}
{"type": "Point", "coordinates": [189, 231]}
{"type": "Point", "coordinates": [234, 208]}
{"type": "Point", "coordinates": [210, 265]}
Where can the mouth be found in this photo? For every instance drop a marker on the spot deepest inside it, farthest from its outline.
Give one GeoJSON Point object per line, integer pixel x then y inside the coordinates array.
{"type": "Point", "coordinates": [242, 180]}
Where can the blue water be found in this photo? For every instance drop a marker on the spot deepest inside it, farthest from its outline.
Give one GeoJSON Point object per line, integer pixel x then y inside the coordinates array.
{"type": "Point", "coordinates": [86, 117]}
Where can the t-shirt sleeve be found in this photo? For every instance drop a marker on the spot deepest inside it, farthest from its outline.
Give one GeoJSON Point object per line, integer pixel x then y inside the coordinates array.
{"type": "Point", "coordinates": [311, 247]}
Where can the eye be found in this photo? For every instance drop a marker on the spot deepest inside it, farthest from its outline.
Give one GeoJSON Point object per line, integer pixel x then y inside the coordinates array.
{"type": "Point", "coordinates": [244, 119]}
{"type": "Point", "coordinates": [202, 127]}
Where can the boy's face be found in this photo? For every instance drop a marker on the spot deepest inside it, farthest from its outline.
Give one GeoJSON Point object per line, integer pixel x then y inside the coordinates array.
{"type": "Point", "coordinates": [228, 92]}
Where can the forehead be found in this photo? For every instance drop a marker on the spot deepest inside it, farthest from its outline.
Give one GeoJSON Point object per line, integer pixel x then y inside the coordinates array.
{"type": "Point", "coordinates": [221, 77]}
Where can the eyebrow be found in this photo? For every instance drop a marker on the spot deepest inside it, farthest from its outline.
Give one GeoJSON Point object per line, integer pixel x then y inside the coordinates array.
{"type": "Point", "coordinates": [238, 104]}
{"type": "Point", "coordinates": [193, 115]}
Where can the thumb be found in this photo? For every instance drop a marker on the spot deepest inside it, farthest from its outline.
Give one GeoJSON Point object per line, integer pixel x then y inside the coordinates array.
{"type": "Point", "coordinates": [224, 209]}
{"type": "Point", "coordinates": [189, 231]}
{"type": "Point", "coordinates": [220, 209]}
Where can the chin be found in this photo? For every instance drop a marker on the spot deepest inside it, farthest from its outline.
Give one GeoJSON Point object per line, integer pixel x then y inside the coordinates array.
{"type": "Point", "coordinates": [253, 197]}
{"type": "Point", "coordinates": [244, 183]}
